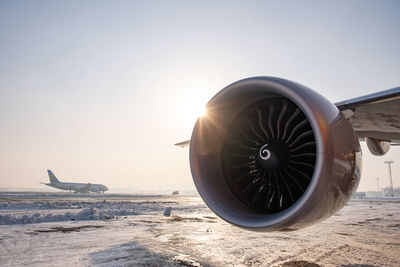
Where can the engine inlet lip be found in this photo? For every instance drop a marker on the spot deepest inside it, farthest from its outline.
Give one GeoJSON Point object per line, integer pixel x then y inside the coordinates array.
{"type": "Point", "coordinates": [298, 95]}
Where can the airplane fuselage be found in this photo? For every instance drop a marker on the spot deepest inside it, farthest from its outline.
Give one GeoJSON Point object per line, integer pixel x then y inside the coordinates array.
{"type": "Point", "coordinates": [79, 187]}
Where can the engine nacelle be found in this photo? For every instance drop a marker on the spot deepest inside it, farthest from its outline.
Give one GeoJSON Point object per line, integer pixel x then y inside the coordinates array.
{"type": "Point", "coordinates": [377, 147]}
{"type": "Point", "coordinates": [272, 154]}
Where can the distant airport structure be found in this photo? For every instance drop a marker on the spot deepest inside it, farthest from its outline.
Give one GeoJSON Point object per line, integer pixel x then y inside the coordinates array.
{"type": "Point", "coordinates": [75, 187]}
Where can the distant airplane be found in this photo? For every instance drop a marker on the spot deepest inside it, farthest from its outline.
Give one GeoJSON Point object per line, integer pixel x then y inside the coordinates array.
{"type": "Point", "coordinates": [76, 187]}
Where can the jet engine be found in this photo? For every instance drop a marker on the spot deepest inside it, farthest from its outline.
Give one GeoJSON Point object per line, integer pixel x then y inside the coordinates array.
{"type": "Point", "coordinates": [272, 154]}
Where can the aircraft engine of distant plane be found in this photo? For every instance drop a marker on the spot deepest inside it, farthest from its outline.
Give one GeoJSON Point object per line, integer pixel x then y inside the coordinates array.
{"type": "Point", "coordinates": [272, 154]}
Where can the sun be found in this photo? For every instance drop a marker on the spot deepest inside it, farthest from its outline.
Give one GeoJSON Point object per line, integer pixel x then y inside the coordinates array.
{"type": "Point", "coordinates": [192, 110]}
{"type": "Point", "coordinates": [201, 112]}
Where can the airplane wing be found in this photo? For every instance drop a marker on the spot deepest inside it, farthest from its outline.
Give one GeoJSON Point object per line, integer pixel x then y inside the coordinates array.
{"type": "Point", "coordinates": [183, 144]}
{"type": "Point", "coordinates": [83, 189]}
{"type": "Point", "coordinates": [375, 115]}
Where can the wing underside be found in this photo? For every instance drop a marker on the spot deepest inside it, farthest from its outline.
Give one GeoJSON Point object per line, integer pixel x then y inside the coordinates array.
{"type": "Point", "coordinates": [375, 115]}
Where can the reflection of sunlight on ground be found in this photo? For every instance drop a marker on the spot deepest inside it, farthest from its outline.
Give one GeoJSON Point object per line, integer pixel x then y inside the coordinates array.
{"type": "Point", "coordinates": [204, 235]}
{"type": "Point", "coordinates": [204, 238]}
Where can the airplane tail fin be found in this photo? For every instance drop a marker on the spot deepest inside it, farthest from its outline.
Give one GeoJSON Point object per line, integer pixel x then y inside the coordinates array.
{"type": "Point", "coordinates": [52, 177]}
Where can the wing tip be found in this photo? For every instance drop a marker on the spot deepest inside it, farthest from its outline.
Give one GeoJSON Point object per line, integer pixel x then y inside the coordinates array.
{"type": "Point", "coordinates": [183, 144]}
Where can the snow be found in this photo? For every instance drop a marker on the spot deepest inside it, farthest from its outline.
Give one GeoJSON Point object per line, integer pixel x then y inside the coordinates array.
{"type": "Point", "coordinates": [48, 208]}
{"type": "Point", "coordinates": [58, 212]}
{"type": "Point", "coordinates": [129, 230]}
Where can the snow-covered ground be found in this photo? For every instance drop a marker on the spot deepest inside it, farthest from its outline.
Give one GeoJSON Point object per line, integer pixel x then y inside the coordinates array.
{"type": "Point", "coordinates": [58, 229]}
{"type": "Point", "coordinates": [50, 207]}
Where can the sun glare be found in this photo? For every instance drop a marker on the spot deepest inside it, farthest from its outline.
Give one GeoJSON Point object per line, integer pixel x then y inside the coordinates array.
{"type": "Point", "coordinates": [202, 112]}
{"type": "Point", "coordinates": [192, 110]}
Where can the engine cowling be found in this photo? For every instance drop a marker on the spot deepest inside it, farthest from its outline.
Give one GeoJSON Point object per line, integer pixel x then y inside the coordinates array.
{"type": "Point", "coordinates": [272, 154]}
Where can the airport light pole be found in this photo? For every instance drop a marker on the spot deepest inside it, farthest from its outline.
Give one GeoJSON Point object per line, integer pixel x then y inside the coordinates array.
{"type": "Point", "coordinates": [389, 163]}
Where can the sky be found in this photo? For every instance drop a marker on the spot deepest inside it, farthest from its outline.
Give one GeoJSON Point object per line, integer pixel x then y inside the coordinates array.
{"type": "Point", "coordinates": [99, 91]}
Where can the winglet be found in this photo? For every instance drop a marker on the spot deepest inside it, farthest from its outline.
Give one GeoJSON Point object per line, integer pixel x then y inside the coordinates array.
{"type": "Point", "coordinates": [183, 144]}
